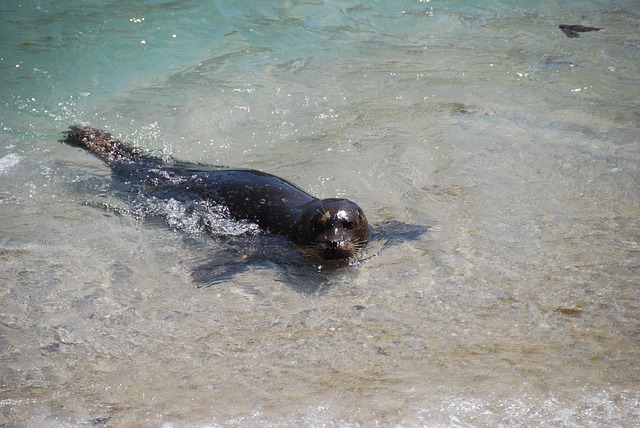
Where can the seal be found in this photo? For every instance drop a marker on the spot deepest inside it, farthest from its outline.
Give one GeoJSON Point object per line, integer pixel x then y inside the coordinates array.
{"type": "Point", "coordinates": [334, 229]}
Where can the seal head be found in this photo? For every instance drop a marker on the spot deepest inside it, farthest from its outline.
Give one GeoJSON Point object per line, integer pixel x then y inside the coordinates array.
{"type": "Point", "coordinates": [332, 229]}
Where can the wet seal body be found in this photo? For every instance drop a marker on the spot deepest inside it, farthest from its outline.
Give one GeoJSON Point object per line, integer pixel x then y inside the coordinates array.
{"type": "Point", "coordinates": [327, 229]}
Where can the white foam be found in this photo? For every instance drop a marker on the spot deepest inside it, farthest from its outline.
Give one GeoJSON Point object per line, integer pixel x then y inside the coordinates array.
{"type": "Point", "coordinates": [9, 161]}
{"type": "Point", "coordinates": [194, 218]}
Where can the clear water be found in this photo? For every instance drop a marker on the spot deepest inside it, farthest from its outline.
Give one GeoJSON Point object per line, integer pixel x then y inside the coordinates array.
{"type": "Point", "coordinates": [517, 147]}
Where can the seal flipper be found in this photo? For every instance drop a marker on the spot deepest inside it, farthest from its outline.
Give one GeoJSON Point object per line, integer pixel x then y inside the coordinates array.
{"type": "Point", "coordinates": [101, 144]}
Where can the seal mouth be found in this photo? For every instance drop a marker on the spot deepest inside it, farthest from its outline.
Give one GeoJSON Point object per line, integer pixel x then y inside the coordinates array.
{"type": "Point", "coordinates": [335, 254]}
{"type": "Point", "coordinates": [335, 250]}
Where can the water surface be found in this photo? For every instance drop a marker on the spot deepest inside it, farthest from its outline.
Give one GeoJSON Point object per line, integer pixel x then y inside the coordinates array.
{"type": "Point", "coordinates": [515, 147]}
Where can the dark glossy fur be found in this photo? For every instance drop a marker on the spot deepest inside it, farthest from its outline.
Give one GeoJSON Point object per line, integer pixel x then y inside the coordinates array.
{"type": "Point", "coordinates": [328, 229]}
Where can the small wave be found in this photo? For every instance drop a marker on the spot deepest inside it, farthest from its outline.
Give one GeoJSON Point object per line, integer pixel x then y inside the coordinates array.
{"type": "Point", "coordinates": [193, 218]}
{"type": "Point", "coordinates": [9, 161]}
{"type": "Point", "coordinates": [167, 176]}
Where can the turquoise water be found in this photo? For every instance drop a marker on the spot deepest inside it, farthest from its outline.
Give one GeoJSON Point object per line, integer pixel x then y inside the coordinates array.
{"type": "Point", "coordinates": [516, 147]}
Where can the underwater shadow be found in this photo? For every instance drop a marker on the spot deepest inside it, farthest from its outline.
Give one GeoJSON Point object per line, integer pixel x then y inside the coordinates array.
{"type": "Point", "coordinates": [240, 253]}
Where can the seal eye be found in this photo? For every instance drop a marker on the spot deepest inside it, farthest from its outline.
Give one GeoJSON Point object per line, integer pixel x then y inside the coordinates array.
{"type": "Point", "coordinates": [348, 225]}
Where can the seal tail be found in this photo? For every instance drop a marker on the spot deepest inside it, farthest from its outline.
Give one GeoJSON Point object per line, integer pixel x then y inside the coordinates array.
{"type": "Point", "coordinates": [102, 144]}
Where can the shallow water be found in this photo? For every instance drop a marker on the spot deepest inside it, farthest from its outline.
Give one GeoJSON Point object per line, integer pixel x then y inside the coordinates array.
{"type": "Point", "coordinates": [516, 147]}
